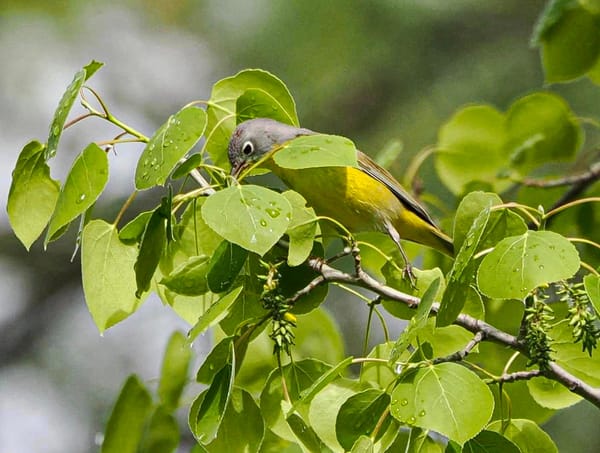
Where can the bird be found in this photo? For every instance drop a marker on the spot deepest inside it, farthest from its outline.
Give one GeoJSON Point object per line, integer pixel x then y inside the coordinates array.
{"type": "Point", "coordinates": [363, 198]}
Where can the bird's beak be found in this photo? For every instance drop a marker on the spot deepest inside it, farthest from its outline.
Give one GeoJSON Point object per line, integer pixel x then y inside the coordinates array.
{"type": "Point", "coordinates": [237, 169]}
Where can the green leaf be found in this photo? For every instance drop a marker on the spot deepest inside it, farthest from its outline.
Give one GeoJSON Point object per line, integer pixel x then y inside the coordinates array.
{"type": "Point", "coordinates": [298, 376]}
{"type": "Point", "coordinates": [33, 194]}
{"type": "Point", "coordinates": [190, 164]}
{"type": "Point", "coordinates": [424, 278]}
{"type": "Point", "coordinates": [468, 210]}
{"type": "Point", "coordinates": [91, 68]}
{"type": "Point", "coordinates": [222, 108]}
{"type": "Point", "coordinates": [577, 28]}
{"type": "Point", "coordinates": [526, 435]}
{"type": "Point", "coordinates": [591, 283]}
{"type": "Point", "coordinates": [225, 265]}
{"type": "Point", "coordinates": [551, 394]}
{"type": "Point", "coordinates": [418, 441]}
{"type": "Point", "coordinates": [490, 442]}
{"type": "Point", "coordinates": [307, 395]}
{"type": "Point", "coordinates": [107, 273]}
{"type": "Point", "coordinates": [542, 129]}
{"type": "Point", "coordinates": [217, 311]}
{"type": "Point", "coordinates": [363, 444]}
{"type": "Point", "coordinates": [134, 230]}
{"type": "Point", "coordinates": [316, 151]}
{"type": "Point", "coordinates": [275, 444]}
{"type": "Point", "coordinates": [252, 217]}
{"type": "Point", "coordinates": [65, 104]}
{"type": "Point", "coordinates": [247, 308]}
{"type": "Point", "coordinates": [127, 420]}
{"type": "Point", "coordinates": [573, 359]}
{"type": "Point", "coordinates": [173, 376]}
{"type": "Point", "coordinates": [447, 398]}
{"type": "Point", "coordinates": [520, 263]}
{"type": "Point", "coordinates": [319, 337]}
{"type": "Point", "coordinates": [169, 144]}
{"type": "Point", "coordinates": [151, 250]}
{"type": "Point", "coordinates": [193, 237]}
{"type": "Point", "coordinates": [301, 230]}
{"type": "Point", "coordinates": [359, 415]}
{"type": "Point", "coordinates": [257, 103]}
{"type": "Point", "coordinates": [471, 148]}
{"type": "Point", "coordinates": [551, 14]}
{"type": "Point", "coordinates": [417, 322]}
{"type": "Point", "coordinates": [161, 434]}
{"type": "Point", "coordinates": [326, 405]}
{"type": "Point", "coordinates": [84, 184]}
{"type": "Point", "coordinates": [217, 358]}
{"type": "Point", "coordinates": [189, 278]}
{"type": "Point", "coordinates": [306, 435]}
{"type": "Point", "coordinates": [206, 419]}
{"type": "Point", "coordinates": [242, 428]}
{"type": "Point", "coordinates": [444, 341]}
{"type": "Point", "coordinates": [462, 273]}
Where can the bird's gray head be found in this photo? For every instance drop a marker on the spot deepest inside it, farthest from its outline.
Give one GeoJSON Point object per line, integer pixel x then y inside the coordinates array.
{"type": "Point", "coordinates": [253, 138]}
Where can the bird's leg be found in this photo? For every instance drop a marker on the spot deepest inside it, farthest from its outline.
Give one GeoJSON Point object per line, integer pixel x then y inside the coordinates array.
{"type": "Point", "coordinates": [407, 266]}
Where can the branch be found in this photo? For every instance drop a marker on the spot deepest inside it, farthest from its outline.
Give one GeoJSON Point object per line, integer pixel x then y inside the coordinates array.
{"type": "Point", "coordinates": [586, 178]}
{"type": "Point", "coordinates": [519, 376]}
{"type": "Point", "coordinates": [460, 355]}
{"type": "Point", "coordinates": [580, 184]}
{"type": "Point", "coordinates": [481, 329]}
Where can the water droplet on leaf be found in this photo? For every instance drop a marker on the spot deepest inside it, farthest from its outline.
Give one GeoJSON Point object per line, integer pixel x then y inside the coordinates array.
{"type": "Point", "coordinates": [274, 213]}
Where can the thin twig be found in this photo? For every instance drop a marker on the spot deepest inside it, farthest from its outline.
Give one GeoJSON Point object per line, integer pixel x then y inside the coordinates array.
{"type": "Point", "coordinates": [460, 355]}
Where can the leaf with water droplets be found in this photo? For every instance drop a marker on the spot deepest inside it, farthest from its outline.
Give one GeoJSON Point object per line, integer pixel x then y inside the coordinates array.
{"type": "Point", "coordinates": [168, 145]}
{"type": "Point", "coordinates": [33, 194]}
{"type": "Point", "coordinates": [302, 229]}
{"type": "Point", "coordinates": [252, 217]}
{"type": "Point", "coordinates": [521, 263]}
{"type": "Point", "coordinates": [65, 104]}
{"type": "Point", "coordinates": [359, 415]}
{"type": "Point", "coordinates": [84, 184]}
{"type": "Point", "coordinates": [315, 151]}
{"type": "Point", "coordinates": [222, 107]}
{"type": "Point", "coordinates": [447, 398]}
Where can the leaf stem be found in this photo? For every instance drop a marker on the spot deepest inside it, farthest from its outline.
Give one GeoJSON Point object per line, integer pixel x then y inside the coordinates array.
{"type": "Point", "coordinates": [125, 206]}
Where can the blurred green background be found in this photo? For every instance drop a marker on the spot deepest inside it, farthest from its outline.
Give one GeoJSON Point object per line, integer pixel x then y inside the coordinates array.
{"type": "Point", "coordinates": [375, 71]}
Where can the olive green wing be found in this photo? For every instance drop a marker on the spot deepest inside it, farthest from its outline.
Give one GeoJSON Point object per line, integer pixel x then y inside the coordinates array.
{"type": "Point", "coordinates": [366, 164]}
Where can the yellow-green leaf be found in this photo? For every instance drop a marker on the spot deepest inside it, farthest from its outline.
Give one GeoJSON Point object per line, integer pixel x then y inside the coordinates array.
{"type": "Point", "coordinates": [33, 194]}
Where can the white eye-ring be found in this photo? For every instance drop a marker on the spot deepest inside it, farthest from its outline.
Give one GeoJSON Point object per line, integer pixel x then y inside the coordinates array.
{"type": "Point", "coordinates": [247, 148]}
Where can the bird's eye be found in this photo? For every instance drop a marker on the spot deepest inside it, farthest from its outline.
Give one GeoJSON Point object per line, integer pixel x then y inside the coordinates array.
{"type": "Point", "coordinates": [247, 148]}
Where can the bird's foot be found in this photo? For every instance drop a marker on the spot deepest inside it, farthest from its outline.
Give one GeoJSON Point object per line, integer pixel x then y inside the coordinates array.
{"type": "Point", "coordinates": [408, 273]}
